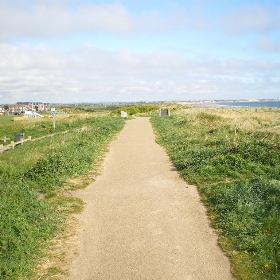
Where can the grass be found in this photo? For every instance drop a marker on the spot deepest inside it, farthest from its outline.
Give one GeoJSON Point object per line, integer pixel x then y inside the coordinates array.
{"type": "Point", "coordinates": [233, 156]}
{"type": "Point", "coordinates": [136, 109]}
{"type": "Point", "coordinates": [39, 127]}
{"type": "Point", "coordinates": [4, 120]}
{"type": "Point", "coordinates": [34, 205]}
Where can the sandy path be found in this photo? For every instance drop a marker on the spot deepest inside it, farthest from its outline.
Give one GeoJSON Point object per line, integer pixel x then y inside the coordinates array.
{"type": "Point", "coordinates": [142, 221]}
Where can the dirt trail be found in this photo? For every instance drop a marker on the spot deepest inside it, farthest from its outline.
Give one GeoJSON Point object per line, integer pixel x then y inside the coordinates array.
{"type": "Point", "coordinates": [142, 221]}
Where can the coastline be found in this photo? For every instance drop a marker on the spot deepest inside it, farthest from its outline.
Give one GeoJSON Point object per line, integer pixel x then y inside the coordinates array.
{"type": "Point", "coordinates": [248, 103]}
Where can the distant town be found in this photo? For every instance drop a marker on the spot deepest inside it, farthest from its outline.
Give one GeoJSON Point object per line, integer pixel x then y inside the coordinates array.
{"type": "Point", "coordinates": [23, 107]}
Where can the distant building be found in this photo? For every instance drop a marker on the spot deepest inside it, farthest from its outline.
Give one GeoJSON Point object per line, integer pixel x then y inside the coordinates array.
{"type": "Point", "coordinates": [21, 107]}
{"type": "Point", "coordinates": [32, 114]}
{"type": "Point", "coordinates": [36, 106]}
{"type": "Point", "coordinates": [17, 108]}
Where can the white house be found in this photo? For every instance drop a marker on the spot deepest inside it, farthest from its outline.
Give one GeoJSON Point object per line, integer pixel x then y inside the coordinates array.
{"type": "Point", "coordinates": [32, 114]}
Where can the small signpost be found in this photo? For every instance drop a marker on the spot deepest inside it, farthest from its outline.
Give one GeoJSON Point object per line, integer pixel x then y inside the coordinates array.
{"type": "Point", "coordinates": [123, 114]}
{"type": "Point", "coordinates": [54, 113]}
{"type": "Point", "coordinates": [164, 112]}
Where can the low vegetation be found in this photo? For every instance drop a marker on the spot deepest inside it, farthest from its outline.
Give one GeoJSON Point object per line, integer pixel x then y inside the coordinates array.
{"type": "Point", "coordinates": [233, 156]}
{"type": "Point", "coordinates": [37, 127]}
{"type": "Point", "coordinates": [136, 109]}
{"type": "Point", "coordinates": [6, 120]}
{"type": "Point", "coordinates": [33, 206]}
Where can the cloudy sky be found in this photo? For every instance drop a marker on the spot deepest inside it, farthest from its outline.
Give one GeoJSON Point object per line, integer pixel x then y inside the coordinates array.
{"type": "Point", "coordinates": [129, 50]}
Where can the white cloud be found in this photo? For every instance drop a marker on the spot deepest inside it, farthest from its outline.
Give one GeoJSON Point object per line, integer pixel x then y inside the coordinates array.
{"type": "Point", "coordinates": [22, 19]}
{"type": "Point", "coordinates": [152, 21]}
{"type": "Point", "coordinates": [112, 18]}
{"type": "Point", "coordinates": [42, 20]}
{"type": "Point", "coordinates": [251, 18]}
{"type": "Point", "coordinates": [90, 74]}
{"type": "Point", "coordinates": [265, 44]}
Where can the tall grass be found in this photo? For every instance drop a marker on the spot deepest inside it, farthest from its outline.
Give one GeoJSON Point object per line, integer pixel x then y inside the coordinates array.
{"type": "Point", "coordinates": [31, 175]}
{"type": "Point", "coordinates": [236, 168]}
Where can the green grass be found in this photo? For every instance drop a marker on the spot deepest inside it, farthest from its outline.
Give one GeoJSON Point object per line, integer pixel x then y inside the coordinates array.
{"type": "Point", "coordinates": [4, 120]}
{"type": "Point", "coordinates": [36, 128]}
{"type": "Point", "coordinates": [136, 109]}
{"type": "Point", "coordinates": [236, 168]}
{"type": "Point", "coordinates": [32, 209]}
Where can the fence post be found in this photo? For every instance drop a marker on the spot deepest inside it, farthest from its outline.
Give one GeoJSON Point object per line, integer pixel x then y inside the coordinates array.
{"type": "Point", "coordinates": [5, 139]}
{"type": "Point", "coordinates": [164, 112]}
{"type": "Point", "coordinates": [13, 144]}
{"type": "Point", "coordinates": [29, 138]}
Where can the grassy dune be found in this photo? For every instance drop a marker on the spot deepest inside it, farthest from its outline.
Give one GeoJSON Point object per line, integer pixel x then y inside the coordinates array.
{"type": "Point", "coordinates": [34, 180]}
{"type": "Point", "coordinates": [233, 156]}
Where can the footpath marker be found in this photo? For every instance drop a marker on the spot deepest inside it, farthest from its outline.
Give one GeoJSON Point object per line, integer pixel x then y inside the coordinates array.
{"type": "Point", "coordinates": [54, 114]}
{"type": "Point", "coordinates": [123, 114]}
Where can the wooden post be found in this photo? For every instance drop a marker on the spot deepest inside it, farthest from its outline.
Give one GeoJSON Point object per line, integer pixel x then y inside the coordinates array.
{"type": "Point", "coordinates": [13, 144]}
{"type": "Point", "coordinates": [5, 139]}
{"type": "Point", "coordinates": [29, 138]}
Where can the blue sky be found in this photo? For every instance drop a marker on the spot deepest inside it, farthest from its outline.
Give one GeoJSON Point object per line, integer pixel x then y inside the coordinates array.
{"type": "Point", "coordinates": [101, 51]}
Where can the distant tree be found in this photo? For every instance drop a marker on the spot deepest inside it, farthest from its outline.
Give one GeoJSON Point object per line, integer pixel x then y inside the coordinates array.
{"type": "Point", "coordinates": [6, 107]}
{"type": "Point", "coordinates": [36, 108]}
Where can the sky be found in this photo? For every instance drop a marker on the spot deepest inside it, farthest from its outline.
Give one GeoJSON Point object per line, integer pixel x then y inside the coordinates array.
{"type": "Point", "coordinates": [72, 51]}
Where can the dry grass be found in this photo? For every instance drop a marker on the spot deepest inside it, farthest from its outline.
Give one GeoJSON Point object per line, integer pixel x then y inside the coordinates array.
{"type": "Point", "coordinates": [61, 251]}
{"type": "Point", "coordinates": [261, 119]}
{"type": "Point", "coordinates": [64, 247]}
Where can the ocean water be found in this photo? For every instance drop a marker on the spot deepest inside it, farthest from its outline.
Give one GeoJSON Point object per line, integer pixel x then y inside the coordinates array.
{"type": "Point", "coordinates": [271, 104]}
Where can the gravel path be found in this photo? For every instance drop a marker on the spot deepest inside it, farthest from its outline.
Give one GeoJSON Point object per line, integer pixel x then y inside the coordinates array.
{"type": "Point", "coordinates": [142, 221]}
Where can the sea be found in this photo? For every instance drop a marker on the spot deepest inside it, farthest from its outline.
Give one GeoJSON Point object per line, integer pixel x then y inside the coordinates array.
{"type": "Point", "coordinates": [270, 103]}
